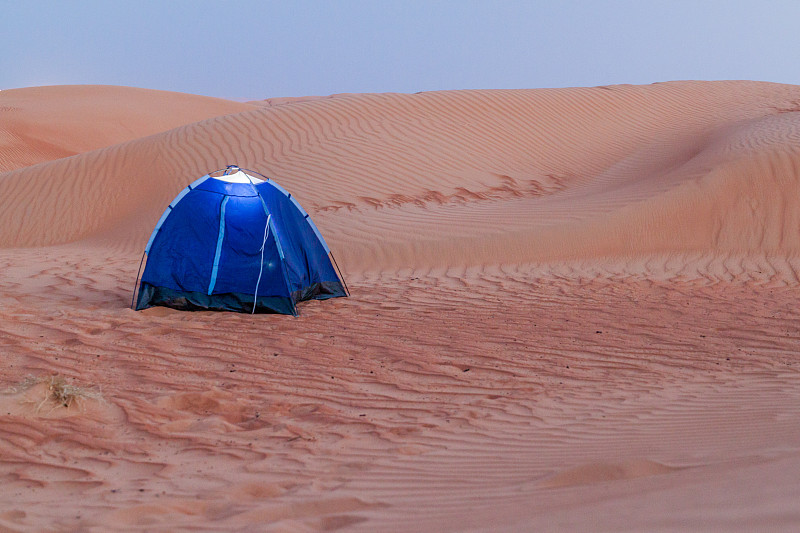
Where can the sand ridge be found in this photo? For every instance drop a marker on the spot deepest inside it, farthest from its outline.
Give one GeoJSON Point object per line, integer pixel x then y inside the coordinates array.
{"type": "Point", "coordinates": [46, 123]}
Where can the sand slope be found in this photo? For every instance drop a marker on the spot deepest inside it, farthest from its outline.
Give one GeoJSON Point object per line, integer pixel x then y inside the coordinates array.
{"type": "Point", "coordinates": [45, 123]}
{"type": "Point", "coordinates": [572, 310]}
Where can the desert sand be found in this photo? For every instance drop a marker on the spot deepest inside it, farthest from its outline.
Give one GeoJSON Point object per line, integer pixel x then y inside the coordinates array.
{"type": "Point", "coordinates": [572, 310]}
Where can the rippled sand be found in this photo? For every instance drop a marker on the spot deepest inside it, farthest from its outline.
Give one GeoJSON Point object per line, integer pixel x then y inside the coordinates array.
{"type": "Point", "coordinates": [572, 310]}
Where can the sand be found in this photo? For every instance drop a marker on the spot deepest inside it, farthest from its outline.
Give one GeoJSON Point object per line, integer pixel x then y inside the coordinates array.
{"type": "Point", "coordinates": [572, 310]}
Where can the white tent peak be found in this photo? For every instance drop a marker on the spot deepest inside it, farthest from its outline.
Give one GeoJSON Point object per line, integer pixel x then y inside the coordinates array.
{"type": "Point", "coordinates": [239, 177]}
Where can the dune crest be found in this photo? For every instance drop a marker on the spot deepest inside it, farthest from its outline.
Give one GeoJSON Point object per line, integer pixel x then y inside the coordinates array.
{"type": "Point", "coordinates": [39, 124]}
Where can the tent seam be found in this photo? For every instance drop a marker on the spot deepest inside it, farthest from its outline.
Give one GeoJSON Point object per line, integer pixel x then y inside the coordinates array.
{"type": "Point", "coordinates": [220, 237]}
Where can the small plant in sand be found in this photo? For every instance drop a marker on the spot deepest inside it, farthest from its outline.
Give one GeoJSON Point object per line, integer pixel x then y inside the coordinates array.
{"type": "Point", "coordinates": [58, 391]}
{"type": "Point", "coordinates": [62, 393]}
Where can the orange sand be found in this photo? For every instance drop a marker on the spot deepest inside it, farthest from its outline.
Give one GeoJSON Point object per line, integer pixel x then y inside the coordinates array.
{"type": "Point", "coordinates": [572, 310]}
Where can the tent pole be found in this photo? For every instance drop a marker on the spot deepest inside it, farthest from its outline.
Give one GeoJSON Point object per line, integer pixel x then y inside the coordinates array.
{"type": "Point", "coordinates": [136, 285]}
{"type": "Point", "coordinates": [340, 274]}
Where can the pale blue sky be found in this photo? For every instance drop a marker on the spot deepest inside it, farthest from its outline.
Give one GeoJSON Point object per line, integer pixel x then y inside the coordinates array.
{"type": "Point", "coordinates": [252, 49]}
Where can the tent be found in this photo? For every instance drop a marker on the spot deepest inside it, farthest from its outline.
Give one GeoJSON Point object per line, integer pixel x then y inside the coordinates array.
{"type": "Point", "coordinates": [234, 240]}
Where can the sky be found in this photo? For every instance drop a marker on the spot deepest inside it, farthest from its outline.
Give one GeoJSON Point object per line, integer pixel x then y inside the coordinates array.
{"type": "Point", "coordinates": [252, 49]}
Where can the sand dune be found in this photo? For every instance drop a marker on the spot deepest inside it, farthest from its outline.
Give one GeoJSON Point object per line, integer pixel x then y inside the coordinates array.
{"type": "Point", "coordinates": [572, 310]}
{"type": "Point", "coordinates": [46, 123]}
{"type": "Point", "coordinates": [473, 177]}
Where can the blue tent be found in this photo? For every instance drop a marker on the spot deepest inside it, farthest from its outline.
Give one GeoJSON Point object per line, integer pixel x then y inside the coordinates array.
{"type": "Point", "coordinates": [236, 242]}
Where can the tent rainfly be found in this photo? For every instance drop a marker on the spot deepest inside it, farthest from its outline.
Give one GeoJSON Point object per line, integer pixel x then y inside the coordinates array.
{"type": "Point", "coordinates": [234, 240]}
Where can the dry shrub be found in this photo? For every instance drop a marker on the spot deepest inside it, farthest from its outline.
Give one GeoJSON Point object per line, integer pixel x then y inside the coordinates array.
{"type": "Point", "coordinates": [57, 391]}
{"type": "Point", "coordinates": [62, 393]}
